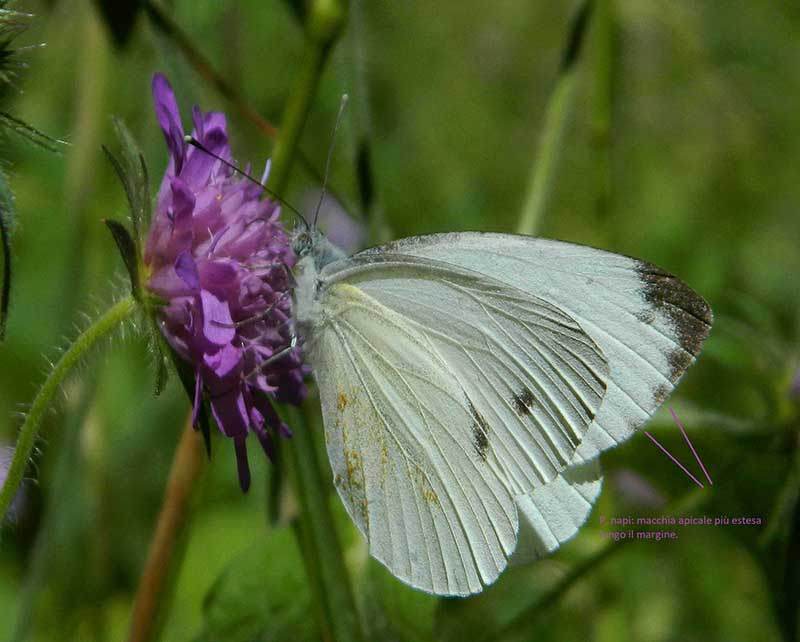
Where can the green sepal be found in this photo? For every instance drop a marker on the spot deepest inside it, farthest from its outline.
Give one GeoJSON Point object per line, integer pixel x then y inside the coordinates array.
{"type": "Point", "coordinates": [132, 171]}
{"type": "Point", "coordinates": [127, 248]}
{"type": "Point", "coordinates": [160, 349]}
{"type": "Point", "coordinates": [30, 133]}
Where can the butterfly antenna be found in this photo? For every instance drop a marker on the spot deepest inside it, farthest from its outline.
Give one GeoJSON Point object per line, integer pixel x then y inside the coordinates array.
{"type": "Point", "coordinates": [342, 105]}
{"type": "Point", "coordinates": [196, 143]}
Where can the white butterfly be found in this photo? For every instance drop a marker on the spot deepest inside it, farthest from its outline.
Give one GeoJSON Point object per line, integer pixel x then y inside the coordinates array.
{"type": "Point", "coordinates": [469, 381]}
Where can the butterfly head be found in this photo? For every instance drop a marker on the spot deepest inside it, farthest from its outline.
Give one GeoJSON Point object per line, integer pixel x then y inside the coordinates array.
{"type": "Point", "coordinates": [310, 242]}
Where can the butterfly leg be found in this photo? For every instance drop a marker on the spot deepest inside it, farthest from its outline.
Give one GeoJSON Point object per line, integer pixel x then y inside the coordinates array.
{"type": "Point", "coordinates": [275, 357]}
{"type": "Point", "coordinates": [258, 317]}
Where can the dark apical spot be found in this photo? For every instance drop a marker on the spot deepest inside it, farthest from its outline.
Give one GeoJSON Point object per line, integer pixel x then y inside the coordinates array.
{"type": "Point", "coordinates": [480, 432]}
{"type": "Point", "coordinates": [648, 316]}
{"type": "Point", "coordinates": [679, 361]}
{"type": "Point", "coordinates": [660, 393]}
{"type": "Point", "coordinates": [687, 312]}
{"type": "Point", "coordinates": [524, 402]}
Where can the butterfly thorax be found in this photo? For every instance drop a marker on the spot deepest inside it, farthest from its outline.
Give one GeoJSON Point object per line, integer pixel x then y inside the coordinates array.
{"type": "Point", "coordinates": [314, 252]}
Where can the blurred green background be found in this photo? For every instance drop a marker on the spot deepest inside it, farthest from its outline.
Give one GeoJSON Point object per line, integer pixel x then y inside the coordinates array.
{"type": "Point", "coordinates": [682, 148]}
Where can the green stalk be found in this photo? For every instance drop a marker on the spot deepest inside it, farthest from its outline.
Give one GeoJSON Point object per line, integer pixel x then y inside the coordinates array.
{"type": "Point", "coordinates": [316, 530]}
{"type": "Point", "coordinates": [324, 23]}
{"type": "Point", "coordinates": [602, 104]}
{"type": "Point", "coordinates": [319, 543]}
{"type": "Point", "coordinates": [540, 185]}
{"type": "Point", "coordinates": [557, 115]}
{"type": "Point", "coordinates": [370, 196]}
{"type": "Point", "coordinates": [294, 118]}
{"type": "Point", "coordinates": [30, 428]}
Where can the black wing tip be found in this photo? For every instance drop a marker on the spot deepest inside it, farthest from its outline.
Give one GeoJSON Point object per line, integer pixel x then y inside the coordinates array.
{"type": "Point", "coordinates": [689, 313]}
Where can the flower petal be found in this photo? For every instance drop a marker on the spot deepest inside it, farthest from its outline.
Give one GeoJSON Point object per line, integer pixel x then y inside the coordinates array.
{"type": "Point", "coordinates": [225, 363]}
{"type": "Point", "coordinates": [169, 118]}
{"type": "Point", "coordinates": [230, 413]}
{"type": "Point", "coordinates": [217, 322]}
{"type": "Point", "coordinates": [183, 201]}
{"type": "Point", "coordinates": [186, 269]}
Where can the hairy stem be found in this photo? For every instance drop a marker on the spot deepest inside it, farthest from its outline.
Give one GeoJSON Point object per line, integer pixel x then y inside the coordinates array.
{"type": "Point", "coordinates": [167, 546]}
{"type": "Point", "coordinates": [30, 428]}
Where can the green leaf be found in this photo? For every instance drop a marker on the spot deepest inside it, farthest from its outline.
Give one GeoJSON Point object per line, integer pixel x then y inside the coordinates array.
{"type": "Point", "coordinates": [262, 595]}
{"type": "Point", "coordinates": [127, 248]}
{"type": "Point", "coordinates": [6, 226]}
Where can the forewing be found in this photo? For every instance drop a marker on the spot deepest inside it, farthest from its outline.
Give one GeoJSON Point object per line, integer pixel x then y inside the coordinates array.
{"type": "Point", "coordinates": [649, 325]}
{"type": "Point", "coordinates": [533, 378]}
{"type": "Point", "coordinates": [400, 436]}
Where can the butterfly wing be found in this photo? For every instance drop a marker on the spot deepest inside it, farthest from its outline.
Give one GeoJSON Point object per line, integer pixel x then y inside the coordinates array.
{"type": "Point", "coordinates": [553, 513]}
{"type": "Point", "coordinates": [649, 325]}
{"type": "Point", "coordinates": [433, 428]}
{"type": "Point", "coordinates": [399, 434]}
{"type": "Point", "coordinates": [534, 378]}
{"type": "Point", "coordinates": [537, 354]}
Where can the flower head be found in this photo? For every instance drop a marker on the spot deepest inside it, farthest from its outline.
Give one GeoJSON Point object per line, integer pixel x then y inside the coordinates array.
{"type": "Point", "coordinates": [219, 258]}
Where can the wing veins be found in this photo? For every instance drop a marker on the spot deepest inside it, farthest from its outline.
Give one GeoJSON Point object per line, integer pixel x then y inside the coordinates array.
{"type": "Point", "coordinates": [406, 458]}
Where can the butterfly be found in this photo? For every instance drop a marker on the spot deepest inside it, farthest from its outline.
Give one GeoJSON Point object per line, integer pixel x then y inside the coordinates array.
{"type": "Point", "coordinates": [469, 381]}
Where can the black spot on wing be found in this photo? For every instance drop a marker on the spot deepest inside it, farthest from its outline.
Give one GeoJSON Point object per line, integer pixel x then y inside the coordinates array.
{"type": "Point", "coordinates": [686, 310]}
{"type": "Point", "coordinates": [480, 432]}
{"type": "Point", "coordinates": [523, 402]}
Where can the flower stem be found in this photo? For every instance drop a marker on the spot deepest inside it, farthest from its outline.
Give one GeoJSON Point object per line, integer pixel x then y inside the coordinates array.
{"type": "Point", "coordinates": [166, 547]}
{"type": "Point", "coordinates": [294, 118]}
{"type": "Point", "coordinates": [602, 124]}
{"type": "Point", "coordinates": [324, 23]}
{"type": "Point", "coordinates": [316, 531]}
{"type": "Point", "coordinates": [557, 114]}
{"type": "Point", "coordinates": [30, 428]}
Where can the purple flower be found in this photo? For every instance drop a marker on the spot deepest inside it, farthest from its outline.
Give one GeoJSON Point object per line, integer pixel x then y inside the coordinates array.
{"type": "Point", "coordinates": [219, 258]}
{"type": "Point", "coordinates": [6, 455]}
{"type": "Point", "coordinates": [17, 504]}
{"type": "Point", "coordinates": [794, 387]}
